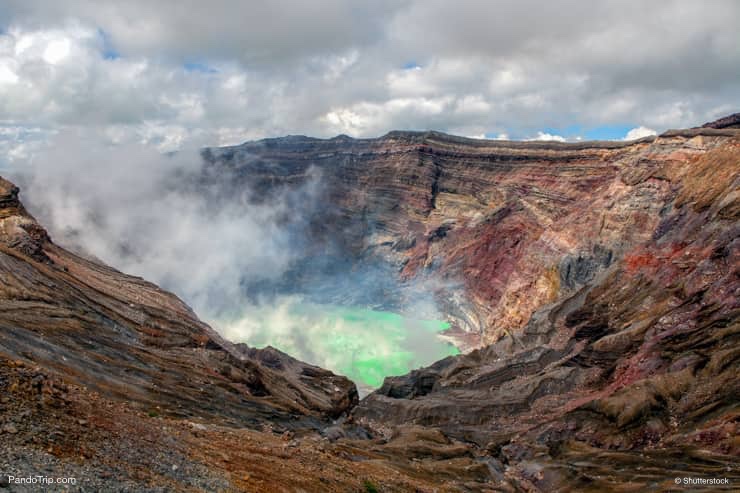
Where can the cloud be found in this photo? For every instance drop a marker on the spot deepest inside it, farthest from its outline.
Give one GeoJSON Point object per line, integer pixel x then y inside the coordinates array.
{"type": "Point", "coordinates": [137, 73]}
{"type": "Point", "coordinates": [547, 136]}
{"type": "Point", "coordinates": [56, 51]}
{"type": "Point", "coordinates": [639, 132]}
{"type": "Point", "coordinates": [232, 71]}
{"type": "Point", "coordinates": [255, 33]}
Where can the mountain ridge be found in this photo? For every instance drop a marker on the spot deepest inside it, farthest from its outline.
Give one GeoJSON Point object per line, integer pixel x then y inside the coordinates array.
{"type": "Point", "coordinates": [709, 128]}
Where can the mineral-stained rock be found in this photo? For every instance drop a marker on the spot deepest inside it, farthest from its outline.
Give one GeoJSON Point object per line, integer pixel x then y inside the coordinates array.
{"type": "Point", "coordinates": [607, 272]}
{"type": "Point", "coordinates": [643, 358]}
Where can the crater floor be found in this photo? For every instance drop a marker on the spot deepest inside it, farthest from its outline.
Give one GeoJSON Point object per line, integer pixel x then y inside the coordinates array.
{"type": "Point", "coordinates": [363, 344]}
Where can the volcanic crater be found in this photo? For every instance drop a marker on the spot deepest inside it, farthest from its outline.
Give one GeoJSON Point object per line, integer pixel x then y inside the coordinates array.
{"type": "Point", "coordinates": [592, 289]}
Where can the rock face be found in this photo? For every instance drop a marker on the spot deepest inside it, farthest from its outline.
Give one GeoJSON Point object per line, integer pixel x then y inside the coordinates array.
{"type": "Point", "coordinates": [597, 284]}
{"type": "Point", "coordinates": [643, 358]}
{"type": "Point", "coordinates": [604, 274]}
{"type": "Point", "coordinates": [509, 226]}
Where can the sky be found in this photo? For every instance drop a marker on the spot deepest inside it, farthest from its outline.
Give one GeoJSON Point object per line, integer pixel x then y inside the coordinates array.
{"type": "Point", "coordinates": [168, 74]}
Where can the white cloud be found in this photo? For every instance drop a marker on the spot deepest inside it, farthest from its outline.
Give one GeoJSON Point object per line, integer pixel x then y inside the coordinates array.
{"type": "Point", "coordinates": [346, 121]}
{"type": "Point", "coordinates": [7, 76]}
{"type": "Point", "coordinates": [546, 136]}
{"type": "Point", "coordinates": [165, 137]}
{"type": "Point", "coordinates": [639, 132]}
{"type": "Point", "coordinates": [120, 203]}
{"type": "Point", "coordinates": [415, 81]}
{"type": "Point", "coordinates": [56, 51]}
{"type": "Point", "coordinates": [291, 69]}
{"type": "Point", "coordinates": [471, 105]}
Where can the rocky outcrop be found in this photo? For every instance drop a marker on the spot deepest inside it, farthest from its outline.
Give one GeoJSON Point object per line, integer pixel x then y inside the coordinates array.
{"type": "Point", "coordinates": [604, 274]}
{"type": "Point", "coordinates": [730, 121]}
{"type": "Point", "coordinates": [115, 383]}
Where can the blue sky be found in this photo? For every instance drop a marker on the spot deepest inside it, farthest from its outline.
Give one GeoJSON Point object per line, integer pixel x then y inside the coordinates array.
{"type": "Point", "coordinates": [604, 132]}
{"type": "Point", "coordinates": [107, 49]}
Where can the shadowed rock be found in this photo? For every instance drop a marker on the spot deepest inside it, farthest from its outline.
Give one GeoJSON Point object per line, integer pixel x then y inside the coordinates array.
{"type": "Point", "coordinates": [730, 121]}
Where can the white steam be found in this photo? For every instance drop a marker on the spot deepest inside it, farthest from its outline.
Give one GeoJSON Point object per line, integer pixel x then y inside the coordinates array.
{"type": "Point", "coordinates": [146, 214]}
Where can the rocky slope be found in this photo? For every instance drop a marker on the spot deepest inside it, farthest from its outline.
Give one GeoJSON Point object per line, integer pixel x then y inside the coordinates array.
{"type": "Point", "coordinates": [730, 121]}
{"type": "Point", "coordinates": [599, 283]}
{"type": "Point", "coordinates": [126, 338]}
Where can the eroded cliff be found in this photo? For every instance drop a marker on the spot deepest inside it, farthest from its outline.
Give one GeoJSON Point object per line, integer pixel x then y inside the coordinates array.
{"type": "Point", "coordinates": [638, 367]}
{"type": "Point", "coordinates": [500, 228]}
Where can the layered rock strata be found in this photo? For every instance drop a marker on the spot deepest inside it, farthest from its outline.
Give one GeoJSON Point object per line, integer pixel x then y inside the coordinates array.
{"type": "Point", "coordinates": [498, 229]}
{"type": "Point", "coordinates": [638, 366]}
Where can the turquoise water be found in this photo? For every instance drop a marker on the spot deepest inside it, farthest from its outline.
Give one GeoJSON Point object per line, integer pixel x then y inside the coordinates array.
{"type": "Point", "coordinates": [365, 345]}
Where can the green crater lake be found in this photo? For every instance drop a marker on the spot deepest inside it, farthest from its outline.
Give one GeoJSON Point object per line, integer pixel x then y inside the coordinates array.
{"type": "Point", "coordinates": [365, 345]}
